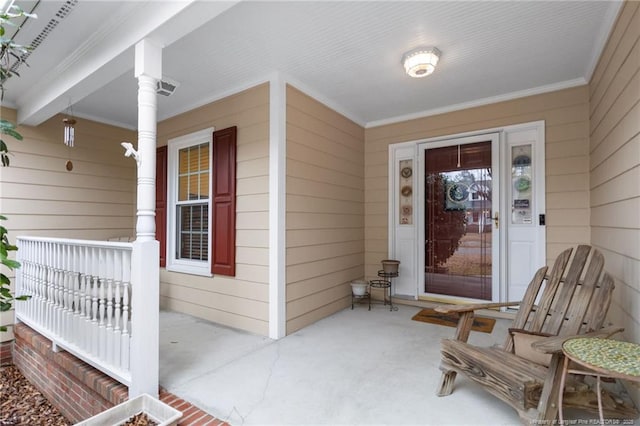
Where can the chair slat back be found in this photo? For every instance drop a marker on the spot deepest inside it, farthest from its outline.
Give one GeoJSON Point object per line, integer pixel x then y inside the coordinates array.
{"type": "Point", "coordinates": [597, 312]}
{"type": "Point", "coordinates": [582, 298]}
{"type": "Point", "coordinates": [527, 305]}
{"type": "Point", "coordinates": [549, 291]}
{"type": "Point", "coordinates": [557, 316]}
{"type": "Point", "coordinates": [569, 304]}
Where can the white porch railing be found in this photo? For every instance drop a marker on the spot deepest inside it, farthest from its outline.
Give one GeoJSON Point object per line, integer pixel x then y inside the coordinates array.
{"type": "Point", "coordinates": [80, 298]}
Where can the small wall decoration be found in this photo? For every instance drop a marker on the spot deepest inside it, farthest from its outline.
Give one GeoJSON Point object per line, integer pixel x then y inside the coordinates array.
{"type": "Point", "coordinates": [522, 183]}
{"type": "Point", "coordinates": [406, 192]}
{"type": "Point", "coordinates": [521, 191]}
{"type": "Point", "coordinates": [456, 194]}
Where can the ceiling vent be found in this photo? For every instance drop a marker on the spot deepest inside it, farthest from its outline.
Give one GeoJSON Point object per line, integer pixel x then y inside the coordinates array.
{"type": "Point", "coordinates": [62, 13]}
{"type": "Point", "coordinates": [166, 86]}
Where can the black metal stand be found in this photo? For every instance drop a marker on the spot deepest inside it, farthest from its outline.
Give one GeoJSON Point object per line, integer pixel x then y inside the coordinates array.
{"type": "Point", "coordinates": [385, 284]}
{"type": "Point", "coordinates": [358, 299]}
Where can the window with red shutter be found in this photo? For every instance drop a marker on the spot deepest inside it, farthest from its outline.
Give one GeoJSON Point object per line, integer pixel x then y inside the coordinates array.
{"type": "Point", "coordinates": [161, 202]}
{"type": "Point", "coordinates": [200, 203]}
{"type": "Point", "coordinates": [224, 202]}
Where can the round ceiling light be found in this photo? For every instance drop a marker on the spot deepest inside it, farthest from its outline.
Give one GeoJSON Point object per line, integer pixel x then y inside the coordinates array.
{"type": "Point", "coordinates": [421, 62]}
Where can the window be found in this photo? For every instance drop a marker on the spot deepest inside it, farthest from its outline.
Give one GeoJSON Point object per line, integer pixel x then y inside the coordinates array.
{"type": "Point", "coordinates": [192, 205]}
{"type": "Point", "coordinates": [196, 202]}
{"type": "Point", "coordinates": [189, 207]}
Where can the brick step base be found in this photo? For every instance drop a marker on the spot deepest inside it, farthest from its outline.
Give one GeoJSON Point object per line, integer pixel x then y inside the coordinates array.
{"type": "Point", "coordinates": [74, 387]}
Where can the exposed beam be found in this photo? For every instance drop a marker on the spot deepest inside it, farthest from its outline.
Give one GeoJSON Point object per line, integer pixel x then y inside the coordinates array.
{"type": "Point", "coordinates": [109, 52]}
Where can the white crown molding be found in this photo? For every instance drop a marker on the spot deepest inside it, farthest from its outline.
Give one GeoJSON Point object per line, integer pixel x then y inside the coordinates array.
{"type": "Point", "coordinates": [602, 37]}
{"type": "Point", "coordinates": [215, 97]}
{"type": "Point", "coordinates": [480, 102]}
{"type": "Point", "coordinates": [266, 79]}
{"type": "Point", "coordinates": [104, 121]}
{"type": "Point", "coordinates": [324, 100]}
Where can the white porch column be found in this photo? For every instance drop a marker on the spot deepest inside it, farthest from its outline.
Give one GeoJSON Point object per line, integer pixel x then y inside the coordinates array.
{"type": "Point", "coordinates": [277, 207]}
{"type": "Point", "coordinates": [145, 270]}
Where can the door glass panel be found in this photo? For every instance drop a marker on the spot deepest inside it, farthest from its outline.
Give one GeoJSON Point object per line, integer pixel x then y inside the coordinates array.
{"type": "Point", "coordinates": [458, 197]}
{"type": "Point", "coordinates": [521, 202]}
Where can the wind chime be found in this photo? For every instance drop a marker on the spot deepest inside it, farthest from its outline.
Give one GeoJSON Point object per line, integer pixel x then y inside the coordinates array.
{"type": "Point", "coordinates": [69, 136]}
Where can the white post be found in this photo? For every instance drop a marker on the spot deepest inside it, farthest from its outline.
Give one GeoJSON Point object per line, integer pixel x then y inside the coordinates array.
{"type": "Point", "coordinates": [277, 207]}
{"type": "Point", "coordinates": [145, 271]}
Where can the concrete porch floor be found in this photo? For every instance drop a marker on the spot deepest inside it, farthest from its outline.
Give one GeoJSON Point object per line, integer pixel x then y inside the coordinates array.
{"type": "Point", "coordinates": [356, 367]}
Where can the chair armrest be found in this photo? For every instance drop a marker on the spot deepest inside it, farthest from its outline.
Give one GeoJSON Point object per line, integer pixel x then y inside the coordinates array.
{"type": "Point", "coordinates": [551, 345]}
{"type": "Point", "coordinates": [446, 309]}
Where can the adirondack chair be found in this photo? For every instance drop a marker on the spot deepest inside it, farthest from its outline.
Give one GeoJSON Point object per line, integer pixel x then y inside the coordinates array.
{"type": "Point", "coordinates": [567, 305]}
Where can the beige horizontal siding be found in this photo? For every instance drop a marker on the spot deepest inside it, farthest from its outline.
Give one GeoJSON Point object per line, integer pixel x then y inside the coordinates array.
{"type": "Point", "coordinates": [325, 208]}
{"type": "Point", "coordinates": [320, 283]}
{"type": "Point", "coordinates": [241, 301]}
{"type": "Point", "coordinates": [566, 115]}
{"type": "Point", "coordinates": [614, 103]}
{"type": "Point", "coordinates": [215, 315]}
{"type": "Point", "coordinates": [311, 237]}
{"type": "Point", "coordinates": [96, 200]}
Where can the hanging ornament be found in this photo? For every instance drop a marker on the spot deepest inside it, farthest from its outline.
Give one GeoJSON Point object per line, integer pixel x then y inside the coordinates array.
{"type": "Point", "coordinates": [69, 135]}
{"type": "Point", "coordinates": [69, 131]}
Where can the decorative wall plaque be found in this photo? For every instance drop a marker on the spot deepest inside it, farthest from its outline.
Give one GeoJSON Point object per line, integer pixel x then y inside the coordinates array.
{"type": "Point", "coordinates": [406, 192]}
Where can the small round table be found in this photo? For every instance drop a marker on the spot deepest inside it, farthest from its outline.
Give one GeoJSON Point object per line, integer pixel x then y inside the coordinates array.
{"type": "Point", "coordinates": [601, 358]}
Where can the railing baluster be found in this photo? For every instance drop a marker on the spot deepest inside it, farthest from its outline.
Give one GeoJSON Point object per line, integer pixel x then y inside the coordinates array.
{"type": "Point", "coordinates": [117, 313]}
{"type": "Point", "coordinates": [75, 329]}
{"type": "Point", "coordinates": [109, 328]}
{"type": "Point", "coordinates": [87, 311]}
{"type": "Point", "coordinates": [51, 278]}
{"type": "Point", "coordinates": [126, 337]}
{"type": "Point", "coordinates": [66, 283]}
{"type": "Point", "coordinates": [55, 285]}
{"type": "Point", "coordinates": [102, 343]}
{"type": "Point", "coordinates": [80, 298]}
{"type": "Point", "coordinates": [95, 341]}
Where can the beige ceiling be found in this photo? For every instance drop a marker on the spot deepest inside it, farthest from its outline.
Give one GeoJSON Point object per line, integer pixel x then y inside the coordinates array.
{"type": "Point", "coordinates": [346, 54]}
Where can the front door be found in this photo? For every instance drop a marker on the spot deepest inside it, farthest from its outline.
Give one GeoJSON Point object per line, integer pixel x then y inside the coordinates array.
{"type": "Point", "coordinates": [467, 214]}
{"type": "Point", "coordinates": [461, 218]}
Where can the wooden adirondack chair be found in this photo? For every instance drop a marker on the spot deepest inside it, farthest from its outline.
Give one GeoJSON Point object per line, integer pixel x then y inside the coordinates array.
{"type": "Point", "coordinates": [569, 305]}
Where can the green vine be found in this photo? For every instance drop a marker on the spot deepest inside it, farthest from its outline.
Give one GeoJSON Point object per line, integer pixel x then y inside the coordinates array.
{"type": "Point", "coordinates": [6, 297]}
{"type": "Point", "coordinates": [11, 57]}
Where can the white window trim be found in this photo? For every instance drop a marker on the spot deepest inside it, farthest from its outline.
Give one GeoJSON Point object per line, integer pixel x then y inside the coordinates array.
{"type": "Point", "coordinates": [195, 267]}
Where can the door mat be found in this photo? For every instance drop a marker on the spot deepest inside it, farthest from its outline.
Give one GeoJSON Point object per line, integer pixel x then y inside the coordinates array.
{"type": "Point", "coordinates": [482, 324]}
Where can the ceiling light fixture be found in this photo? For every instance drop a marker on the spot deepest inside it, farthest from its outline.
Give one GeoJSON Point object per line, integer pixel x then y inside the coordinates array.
{"type": "Point", "coordinates": [421, 62]}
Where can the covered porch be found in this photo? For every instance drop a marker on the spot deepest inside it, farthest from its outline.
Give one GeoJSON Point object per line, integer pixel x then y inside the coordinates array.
{"type": "Point", "coordinates": [353, 367]}
{"type": "Point", "coordinates": [313, 201]}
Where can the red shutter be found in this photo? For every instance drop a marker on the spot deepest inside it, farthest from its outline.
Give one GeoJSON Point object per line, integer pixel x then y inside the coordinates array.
{"type": "Point", "coordinates": [223, 260]}
{"type": "Point", "coordinates": [161, 202]}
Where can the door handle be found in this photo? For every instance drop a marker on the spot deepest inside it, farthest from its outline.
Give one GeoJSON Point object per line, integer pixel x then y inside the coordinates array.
{"type": "Point", "coordinates": [496, 220]}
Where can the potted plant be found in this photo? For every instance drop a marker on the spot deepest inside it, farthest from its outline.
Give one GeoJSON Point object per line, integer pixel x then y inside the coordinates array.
{"type": "Point", "coordinates": [390, 266]}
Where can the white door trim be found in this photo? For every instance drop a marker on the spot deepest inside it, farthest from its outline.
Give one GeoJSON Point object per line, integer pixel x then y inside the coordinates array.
{"type": "Point", "coordinates": [537, 127]}
{"type": "Point", "coordinates": [497, 267]}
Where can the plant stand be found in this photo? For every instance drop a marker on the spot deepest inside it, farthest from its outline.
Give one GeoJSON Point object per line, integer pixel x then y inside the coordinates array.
{"type": "Point", "coordinates": [385, 285]}
{"type": "Point", "coordinates": [360, 298]}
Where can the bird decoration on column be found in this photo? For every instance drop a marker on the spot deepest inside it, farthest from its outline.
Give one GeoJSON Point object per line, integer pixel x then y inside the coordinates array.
{"type": "Point", "coordinates": [130, 151]}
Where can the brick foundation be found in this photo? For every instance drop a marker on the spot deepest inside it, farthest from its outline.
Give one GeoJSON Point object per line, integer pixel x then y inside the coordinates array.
{"type": "Point", "coordinates": [78, 390]}
{"type": "Point", "coordinates": [6, 349]}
